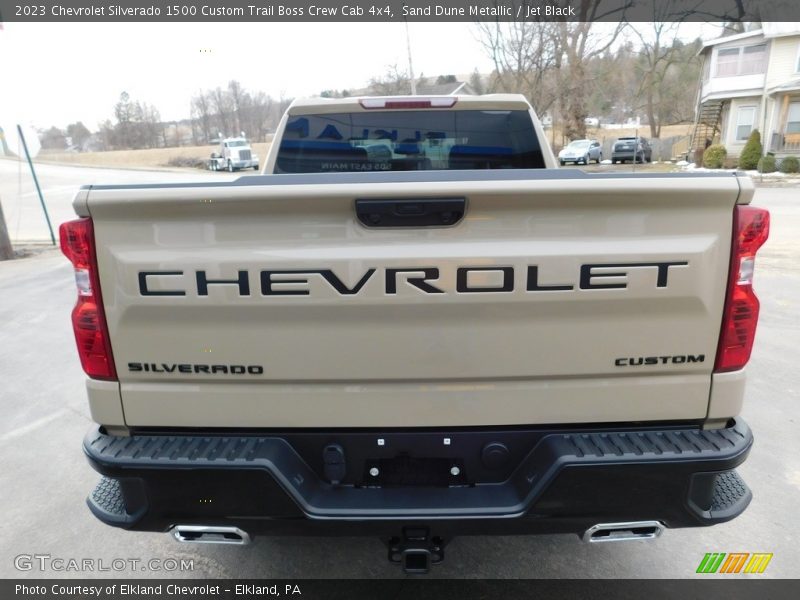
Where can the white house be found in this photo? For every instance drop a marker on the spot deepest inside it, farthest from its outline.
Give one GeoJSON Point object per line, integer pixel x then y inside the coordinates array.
{"type": "Point", "coordinates": [751, 81]}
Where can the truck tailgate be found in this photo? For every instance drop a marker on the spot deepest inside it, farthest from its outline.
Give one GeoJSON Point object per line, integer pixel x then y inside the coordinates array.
{"type": "Point", "coordinates": [559, 297]}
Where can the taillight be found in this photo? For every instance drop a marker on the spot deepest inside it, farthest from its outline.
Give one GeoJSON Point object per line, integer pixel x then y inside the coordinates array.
{"type": "Point", "coordinates": [411, 102]}
{"type": "Point", "coordinates": [88, 318]}
{"type": "Point", "coordinates": [740, 315]}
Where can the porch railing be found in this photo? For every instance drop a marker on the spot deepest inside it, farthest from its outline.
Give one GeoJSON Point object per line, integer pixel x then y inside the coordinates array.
{"type": "Point", "coordinates": [682, 148]}
{"type": "Point", "coordinates": [785, 143]}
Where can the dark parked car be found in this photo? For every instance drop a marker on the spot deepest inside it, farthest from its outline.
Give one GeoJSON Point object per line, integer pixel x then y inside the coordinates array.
{"type": "Point", "coordinates": [631, 148]}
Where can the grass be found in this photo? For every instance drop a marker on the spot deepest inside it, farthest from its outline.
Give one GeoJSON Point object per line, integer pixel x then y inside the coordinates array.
{"type": "Point", "coordinates": [667, 131]}
{"type": "Point", "coordinates": [141, 159]}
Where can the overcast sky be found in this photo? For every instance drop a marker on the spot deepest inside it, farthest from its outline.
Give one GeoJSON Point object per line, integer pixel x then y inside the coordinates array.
{"type": "Point", "coordinates": [55, 74]}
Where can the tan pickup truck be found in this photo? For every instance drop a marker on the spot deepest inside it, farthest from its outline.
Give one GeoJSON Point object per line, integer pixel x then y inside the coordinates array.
{"type": "Point", "coordinates": [413, 325]}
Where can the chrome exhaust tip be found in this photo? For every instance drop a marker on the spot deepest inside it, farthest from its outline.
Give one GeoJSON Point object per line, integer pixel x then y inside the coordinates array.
{"type": "Point", "coordinates": [623, 532]}
{"type": "Point", "coordinates": [207, 534]}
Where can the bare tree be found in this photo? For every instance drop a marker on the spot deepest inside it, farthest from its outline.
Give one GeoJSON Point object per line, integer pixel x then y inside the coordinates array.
{"type": "Point", "coordinates": [732, 19]}
{"type": "Point", "coordinates": [201, 112]}
{"type": "Point", "coordinates": [177, 136]}
{"type": "Point", "coordinates": [78, 133]}
{"type": "Point", "coordinates": [124, 113]}
{"type": "Point", "coordinates": [195, 131]}
{"type": "Point", "coordinates": [578, 42]}
{"type": "Point", "coordinates": [679, 89]}
{"type": "Point", "coordinates": [138, 125]}
{"type": "Point", "coordinates": [233, 109]}
{"type": "Point", "coordinates": [524, 56]}
{"type": "Point", "coordinates": [53, 139]}
{"type": "Point", "coordinates": [152, 133]}
{"type": "Point", "coordinates": [261, 115]}
{"type": "Point", "coordinates": [393, 82]}
{"type": "Point", "coordinates": [476, 82]}
{"type": "Point", "coordinates": [221, 105]}
{"type": "Point", "coordinates": [546, 59]}
{"type": "Point", "coordinates": [659, 50]}
{"type": "Point", "coordinates": [237, 99]}
{"type": "Point", "coordinates": [107, 135]}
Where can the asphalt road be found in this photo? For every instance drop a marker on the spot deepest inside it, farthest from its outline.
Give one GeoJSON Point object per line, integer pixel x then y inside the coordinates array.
{"type": "Point", "coordinates": [44, 478]}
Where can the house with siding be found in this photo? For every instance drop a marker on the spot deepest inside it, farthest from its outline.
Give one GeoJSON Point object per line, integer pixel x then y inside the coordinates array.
{"type": "Point", "coordinates": [751, 81]}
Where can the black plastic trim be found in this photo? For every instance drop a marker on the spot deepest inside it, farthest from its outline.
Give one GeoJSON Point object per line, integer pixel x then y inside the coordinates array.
{"type": "Point", "coordinates": [410, 212]}
{"type": "Point", "coordinates": [409, 177]}
{"type": "Point", "coordinates": [672, 455]}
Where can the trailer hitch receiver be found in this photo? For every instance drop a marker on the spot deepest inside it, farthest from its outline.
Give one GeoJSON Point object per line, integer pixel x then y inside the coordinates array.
{"type": "Point", "coordinates": [416, 550]}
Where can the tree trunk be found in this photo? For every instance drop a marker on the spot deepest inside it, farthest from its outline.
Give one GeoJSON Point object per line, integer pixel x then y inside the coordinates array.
{"type": "Point", "coordinates": [6, 251]}
{"type": "Point", "coordinates": [651, 113]}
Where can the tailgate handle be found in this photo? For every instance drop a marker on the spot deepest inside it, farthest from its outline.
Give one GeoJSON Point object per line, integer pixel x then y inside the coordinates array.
{"type": "Point", "coordinates": [428, 212]}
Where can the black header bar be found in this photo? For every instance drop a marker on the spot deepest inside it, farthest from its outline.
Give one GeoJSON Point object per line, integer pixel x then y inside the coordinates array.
{"type": "Point", "coordinates": [405, 588]}
{"type": "Point", "coordinates": [337, 11]}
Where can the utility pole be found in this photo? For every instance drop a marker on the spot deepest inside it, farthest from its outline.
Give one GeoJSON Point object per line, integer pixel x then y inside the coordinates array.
{"type": "Point", "coordinates": [410, 65]}
{"type": "Point", "coordinates": [6, 251]}
{"type": "Point", "coordinates": [36, 183]}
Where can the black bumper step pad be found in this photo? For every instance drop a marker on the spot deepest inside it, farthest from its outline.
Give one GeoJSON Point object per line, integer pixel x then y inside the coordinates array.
{"type": "Point", "coordinates": [731, 496]}
{"type": "Point", "coordinates": [107, 502]}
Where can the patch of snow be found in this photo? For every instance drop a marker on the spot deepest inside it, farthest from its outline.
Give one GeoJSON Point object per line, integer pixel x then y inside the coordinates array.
{"type": "Point", "coordinates": [754, 174]}
{"type": "Point", "coordinates": [605, 161]}
{"type": "Point", "coordinates": [776, 174]}
{"type": "Point", "coordinates": [696, 169]}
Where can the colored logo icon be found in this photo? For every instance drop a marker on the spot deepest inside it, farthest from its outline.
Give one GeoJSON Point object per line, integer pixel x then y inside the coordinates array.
{"type": "Point", "coordinates": [734, 562]}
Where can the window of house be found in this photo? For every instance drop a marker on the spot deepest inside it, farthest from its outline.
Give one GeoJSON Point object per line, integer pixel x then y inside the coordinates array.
{"type": "Point", "coordinates": [793, 119]}
{"type": "Point", "coordinates": [745, 60]}
{"type": "Point", "coordinates": [753, 59]}
{"type": "Point", "coordinates": [727, 62]}
{"type": "Point", "coordinates": [745, 119]}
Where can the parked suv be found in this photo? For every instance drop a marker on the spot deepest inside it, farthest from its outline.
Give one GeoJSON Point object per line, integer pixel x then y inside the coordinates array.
{"type": "Point", "coordinates": [581, 151]}
{"type": "Point", "coordinates": [631, 148]}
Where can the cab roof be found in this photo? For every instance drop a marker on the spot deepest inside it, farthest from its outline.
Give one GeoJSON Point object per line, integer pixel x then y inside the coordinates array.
{"type": "Point", "coordinates": [308, 106]}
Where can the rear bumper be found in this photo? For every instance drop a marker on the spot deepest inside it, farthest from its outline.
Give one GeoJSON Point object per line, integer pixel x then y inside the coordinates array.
{"type": "Point", "coordinates": [546, 480]}
{"type": "Point", "coordinates": [244, 164]}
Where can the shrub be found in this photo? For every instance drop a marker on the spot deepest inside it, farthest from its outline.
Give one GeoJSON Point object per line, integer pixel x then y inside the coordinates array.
{"type": "Point", "coordinates": [188, 161]}
{"type": "Point", "coordinates": [714, 156]}
{"type": "Point", "coordinates": [730, 163]}
{"type": "Point", "coordinates": [767, 164]}
{"type": "Point", "coordinates": [790, 164]}
{"type": "Point", "coordinates": [748, 159]}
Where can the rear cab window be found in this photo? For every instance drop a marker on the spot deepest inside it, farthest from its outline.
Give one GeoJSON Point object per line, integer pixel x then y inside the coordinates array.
{"type": "Point", "coordinates": [411, 140]}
